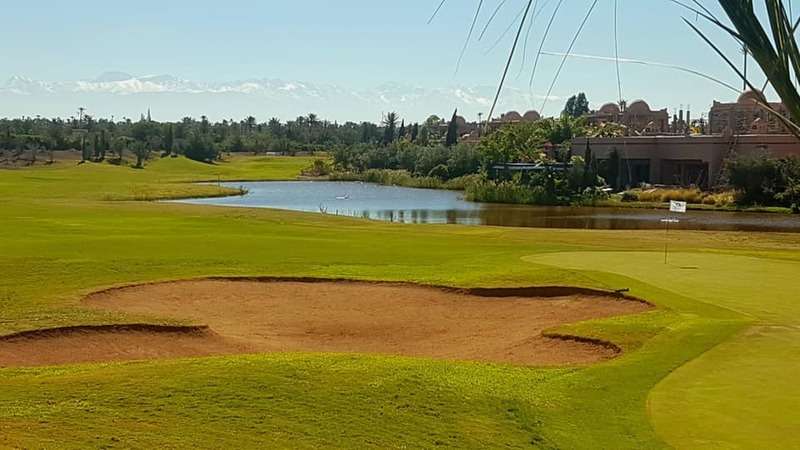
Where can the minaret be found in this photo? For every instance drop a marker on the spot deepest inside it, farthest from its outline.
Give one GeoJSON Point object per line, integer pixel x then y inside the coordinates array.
{"type": "Point", "coordinates": [688, 120]}
{"type": "Point", "coordinates": [148, 115]}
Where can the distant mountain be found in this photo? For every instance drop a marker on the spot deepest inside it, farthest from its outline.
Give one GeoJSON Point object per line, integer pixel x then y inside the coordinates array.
{"type": "Point", "coordinates": [170, 98]}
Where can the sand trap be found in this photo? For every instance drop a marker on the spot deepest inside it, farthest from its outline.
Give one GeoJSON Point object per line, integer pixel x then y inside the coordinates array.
{"type": "Point", "coordinates": [249, 316]}
{"type": "Point", "coordinates": [110, 343]}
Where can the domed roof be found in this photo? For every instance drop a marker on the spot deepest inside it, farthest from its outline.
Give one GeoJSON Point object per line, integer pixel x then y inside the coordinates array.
{"type": "Point", "coordinates": [610, 108]}
{"type": "Point", "coordinates": [639, 107]}
{"type": "Point", "coordinates": [531, 116]}
{"type": "Point", "coordinates": [750, 97]}
{"type": "Point", "coordinates": [461, 121]}
{"type": "Point", "coordinates": [511, 116]}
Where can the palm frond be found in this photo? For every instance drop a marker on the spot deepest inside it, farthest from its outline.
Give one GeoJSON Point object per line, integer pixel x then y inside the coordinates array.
{"type": "Point", "coordinates": [775, 49]}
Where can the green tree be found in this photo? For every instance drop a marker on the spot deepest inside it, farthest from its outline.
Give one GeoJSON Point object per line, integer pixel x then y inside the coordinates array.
{"type": "Point", "coordinates": [120, 145]}
{"type": "Point", "coordinates": [169, 139]}
{"type": "Point", "coordinates": [205, 127]}
{"type": "Point", "coordinates": [201, 148]}
{"type": "Point", "coordinates": [103, 144]}
{"type": "Point", "coordinates": [96, 147]}
{"type": "Point", "coordinates": [389, 128]}
{"type": "Point", "coordinates": [523, 142]}
{"type": "Point", "coordinates": [614, 170]}
{"type": "Point", "coordinates": [452, 131]}
{"type": "Point", "coordinates": [577, 106]}
{"type": "Point", "coordinates": [275, 127]}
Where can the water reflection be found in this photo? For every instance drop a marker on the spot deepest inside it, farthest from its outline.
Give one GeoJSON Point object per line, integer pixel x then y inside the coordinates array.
{"type": "Point", "coordinates": [420, 206]}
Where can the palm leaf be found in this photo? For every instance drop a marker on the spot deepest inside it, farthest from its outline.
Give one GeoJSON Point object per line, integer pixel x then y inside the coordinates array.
{"type": "Point", "coordinates": [775, 50]}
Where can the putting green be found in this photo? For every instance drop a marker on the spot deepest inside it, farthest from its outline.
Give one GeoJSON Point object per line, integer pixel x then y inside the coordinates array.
{"type": "Point", "coordinates": [743, 393]}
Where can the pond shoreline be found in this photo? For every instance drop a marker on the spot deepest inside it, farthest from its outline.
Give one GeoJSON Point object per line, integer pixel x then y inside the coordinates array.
{"type": "Point", "coordinates": [436, 206]}
{"type": "Point", "coordinates": [610, 203]}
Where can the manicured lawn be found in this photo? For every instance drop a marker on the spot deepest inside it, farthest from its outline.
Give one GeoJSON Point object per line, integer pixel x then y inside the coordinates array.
{"type": "Point", "coordinates": [68, 230]}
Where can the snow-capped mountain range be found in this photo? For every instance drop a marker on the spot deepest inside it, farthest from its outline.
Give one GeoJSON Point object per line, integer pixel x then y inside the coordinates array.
{"type": "Point", "coordinates": [171, 98]}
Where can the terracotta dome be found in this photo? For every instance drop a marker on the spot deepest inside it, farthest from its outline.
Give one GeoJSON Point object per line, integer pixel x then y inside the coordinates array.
{"type": "Point", "coordinates": [749, 97]}
{"type": "Point", "coordinates": [639, 107]}
{"type": "Point", "coordinates": [610, 108]}
{"type": "Point", "coordinates": [531, 116]}
{"type": "Point", "coordinates": [460, 121]}
{"type": "Point", "coordinates": [511, 116]}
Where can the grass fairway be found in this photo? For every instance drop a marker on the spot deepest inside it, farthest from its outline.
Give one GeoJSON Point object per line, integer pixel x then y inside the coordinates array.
{"type": "Point", "coordinates": [710, 368]}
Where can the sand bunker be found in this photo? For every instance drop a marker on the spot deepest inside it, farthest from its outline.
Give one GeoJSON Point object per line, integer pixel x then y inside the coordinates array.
{"type": "Point", "coordinates": [252, 316]}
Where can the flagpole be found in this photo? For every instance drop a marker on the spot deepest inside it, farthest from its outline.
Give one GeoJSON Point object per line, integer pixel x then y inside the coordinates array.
{"type": "Point", "coordinates": [666, 238]}
{"type": "Point", "coordinates": [674, 207]}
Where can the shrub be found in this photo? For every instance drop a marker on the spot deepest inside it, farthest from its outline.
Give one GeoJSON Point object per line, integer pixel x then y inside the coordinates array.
{"type": "Point", "coordinates": [463, 160]}
{"type": "Point", "coordinates": [759, 179]}
{"type": "Point", "coordinates": [439, 172]}
{"type": "Point", "coordinates": [692, 195]}
{"type": "Point", "coordinates": [201, 148]}
{"type": "Point", "coordinates": [418, 160]}
{"type": "Point", "coordinates": [590, 196]}
{"type": "Point", "coordinates": [489, 191]}
{"type": "Point", "coordinates": [461, 183]}
{"type": "Point", "coordinates": [720, 199]}
{"type": "Point", "coordinates": [319, 168]}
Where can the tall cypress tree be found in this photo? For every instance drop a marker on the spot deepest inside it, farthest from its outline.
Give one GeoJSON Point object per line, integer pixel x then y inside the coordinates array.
{"type": "Point", "coordinates": [103, 144]}
{"type": "Point", "coordinates": [169, 140]}
{"type": "Point", "coordinates": [96, 146]}
{"type": "Point", "coordinates": [452, 131]}
{"type": "Point", "coordinates": [589, 176]}
{"type": "Point", "coordinates": [402, 133]}
{"type": "Point", "coordinates": [414, 132]}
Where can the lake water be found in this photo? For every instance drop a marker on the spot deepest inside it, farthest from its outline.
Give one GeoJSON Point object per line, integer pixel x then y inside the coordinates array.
{"type": "Point", "coordinates": [406, 205]}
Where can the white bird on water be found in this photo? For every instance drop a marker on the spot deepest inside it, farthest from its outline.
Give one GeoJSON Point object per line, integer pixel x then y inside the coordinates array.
{"type": "Point", "coordinates": [343, 197]}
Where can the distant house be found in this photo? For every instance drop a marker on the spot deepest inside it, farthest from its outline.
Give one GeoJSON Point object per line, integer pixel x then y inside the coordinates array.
{"type": "Point", "coordinates": [746, 116]}
{"type": "Point", "coordinates": [513, 117]}
{"type": "Point", "coordinates": [695, 160]}
{"type": "Point", "coordinates": [637, 117]}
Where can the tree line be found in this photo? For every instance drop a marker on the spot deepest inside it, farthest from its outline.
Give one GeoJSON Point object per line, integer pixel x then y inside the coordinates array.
{"type": "Point", "coordinates": [203, 140]}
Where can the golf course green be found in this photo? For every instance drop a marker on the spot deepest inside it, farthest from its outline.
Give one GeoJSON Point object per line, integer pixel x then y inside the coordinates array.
{"type": "Point", "coordinates": [712, 366]}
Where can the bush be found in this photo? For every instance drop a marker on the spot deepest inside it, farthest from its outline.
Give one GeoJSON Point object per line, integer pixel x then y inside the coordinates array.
{"type": "Point", "coordinates": [201, 148]}
{"type": "Point", "coordinates": [439, 172]}
{"type": "Point", "coordinates": [691, 195]}
{"type": "Point", "coordinates": [417, 160]}
{"type": "Point", "coordinates": [461, 183]}
{"type": "Point", "coordinates": [720, 199]}
{"type": "Point", "coordinates": [629, 196]}
{"type": "Point", "coordinates": [319, 168]}
{"type": "Point", "coordinates": [489, 191]}
{"type": "Point", "coordinates": [429, 158]}
{"type": "Point", "coordinates": [463, 160]}
{"type": "Point", "coordinates": [590, 196]}
{"type": "Point", "coordinates": [762, 180]}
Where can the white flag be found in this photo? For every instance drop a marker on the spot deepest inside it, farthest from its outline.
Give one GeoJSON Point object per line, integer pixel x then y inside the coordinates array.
{"type": "Point", "coordinates": [677, 207]}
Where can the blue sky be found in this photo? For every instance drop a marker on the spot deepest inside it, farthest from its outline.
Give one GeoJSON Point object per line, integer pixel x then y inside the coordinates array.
{"type": "Point", "coordinates": [358, 44]}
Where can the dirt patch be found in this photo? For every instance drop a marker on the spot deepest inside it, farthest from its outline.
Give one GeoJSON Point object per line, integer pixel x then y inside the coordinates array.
{"type": "Point", "coordinates": [258, 315]}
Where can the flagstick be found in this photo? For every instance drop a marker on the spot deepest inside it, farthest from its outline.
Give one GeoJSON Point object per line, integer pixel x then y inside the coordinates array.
{"type": "Point", "coordinates": [666, 238]}
{"type": "Point", "coordinates": [678, 207]}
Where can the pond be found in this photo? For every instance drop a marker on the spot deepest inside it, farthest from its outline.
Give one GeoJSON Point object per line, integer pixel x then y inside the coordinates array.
{"type": "Point", "coordinates": [406, 205]}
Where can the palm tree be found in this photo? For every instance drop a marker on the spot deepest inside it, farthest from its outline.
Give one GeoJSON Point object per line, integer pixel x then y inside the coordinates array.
{"type": "Point", "coordinates": [390, 125]}
{"type": "Point", "coordinates": [313, 121]}
{"type": "Point", "coordinates": [251, 124]}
